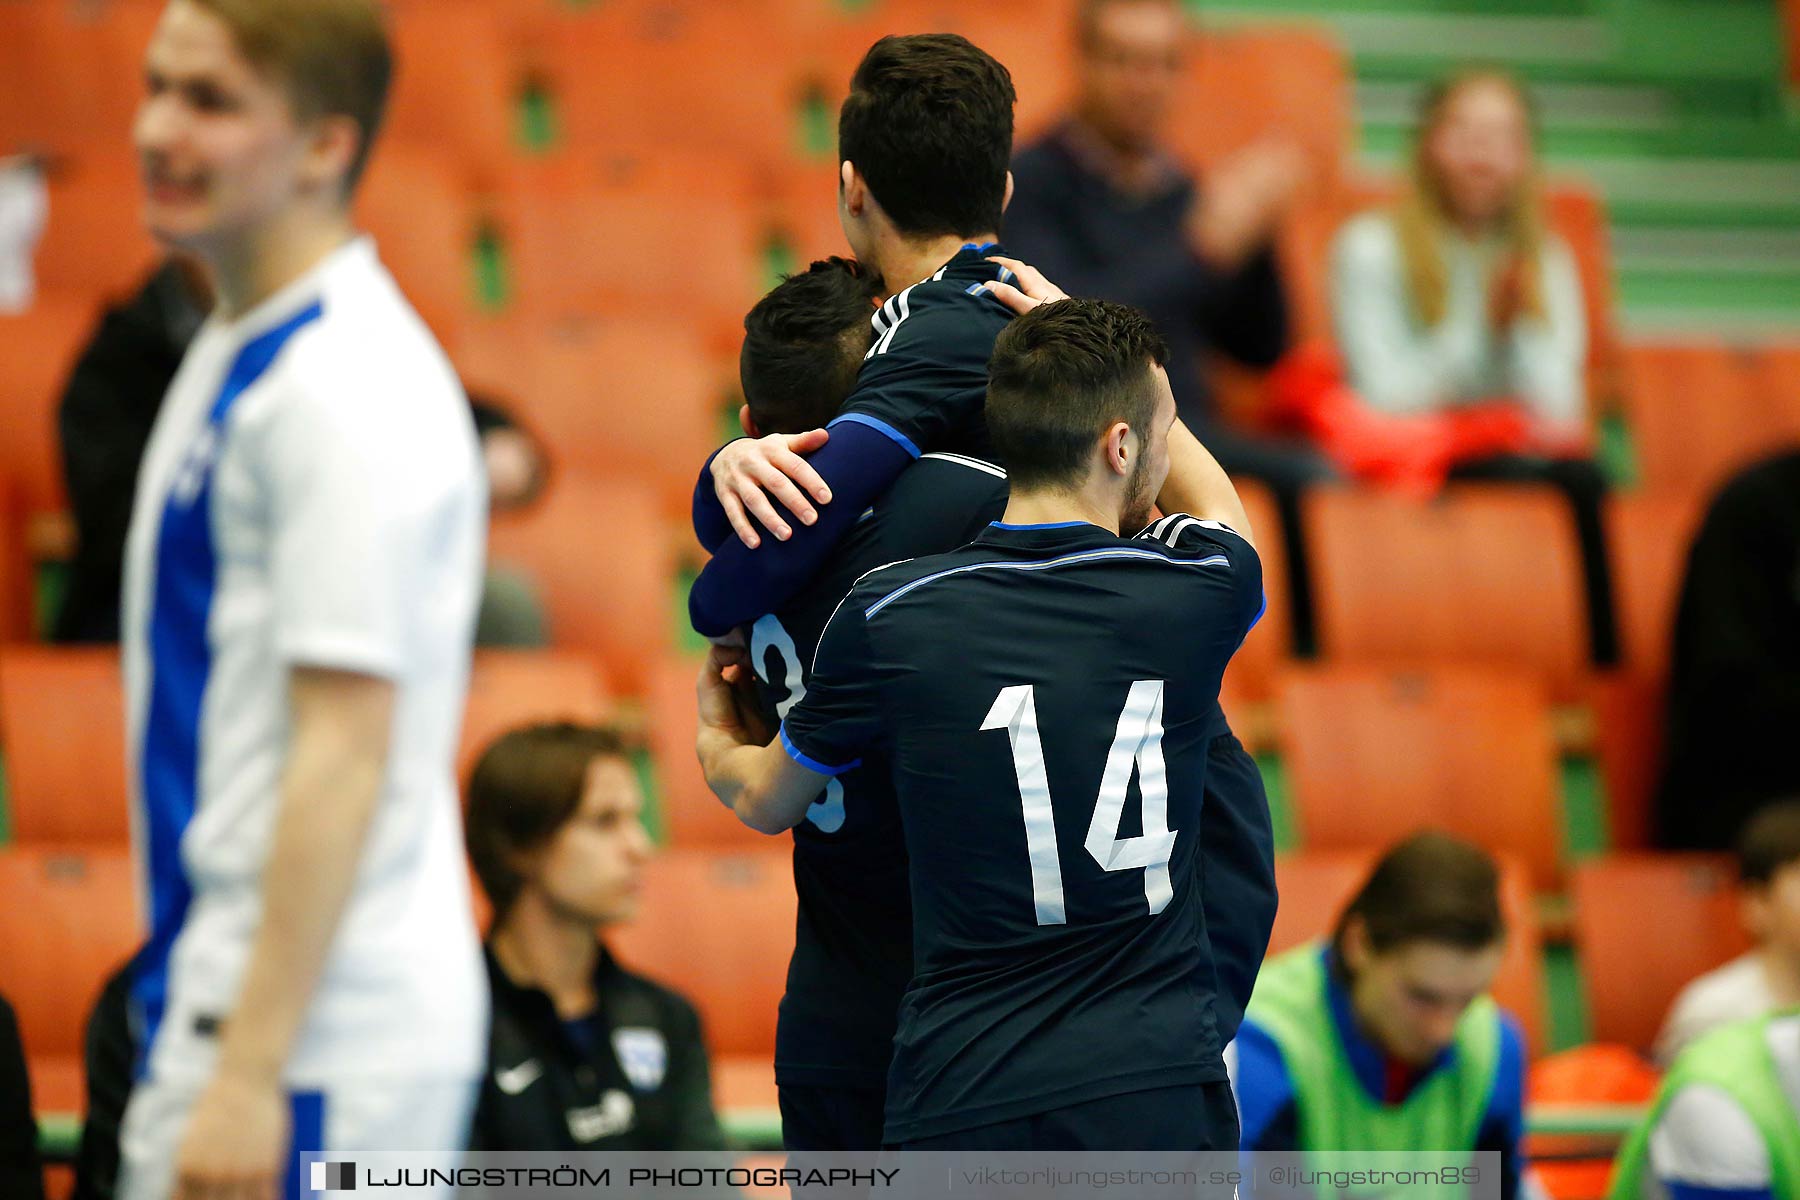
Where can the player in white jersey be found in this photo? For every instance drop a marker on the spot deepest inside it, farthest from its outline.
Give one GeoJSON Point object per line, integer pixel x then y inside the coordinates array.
{"type": "Point", "coordinates": [301, 584]}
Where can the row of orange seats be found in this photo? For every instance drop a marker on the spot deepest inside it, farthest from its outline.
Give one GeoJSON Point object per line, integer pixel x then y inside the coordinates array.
{"type": "Point", "coordinates": [719, 925]}
{"type": "Point", "coordinates": [671, 73]}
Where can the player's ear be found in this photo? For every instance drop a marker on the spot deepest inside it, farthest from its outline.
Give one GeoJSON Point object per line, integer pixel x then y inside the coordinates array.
{"type": "Point", "coordinates": [1120, 448]}
{"type": "Point", "coordinates": [747, 422]}
{"type": "Point", "coordinates": [1006, 198]}
{"type": "Point", "coordinates": [851, 188]}
{"type": "Point", "coordinates": [331, 148]}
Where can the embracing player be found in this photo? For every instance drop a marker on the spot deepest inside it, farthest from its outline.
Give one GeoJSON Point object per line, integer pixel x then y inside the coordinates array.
{"type": "Point", "coordinates": [1047, 690]}
{"type": "Point", "coordinates": [301, 584]}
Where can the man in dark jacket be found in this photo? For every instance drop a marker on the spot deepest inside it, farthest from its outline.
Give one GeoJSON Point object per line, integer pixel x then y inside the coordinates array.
{"type": "Point", "coordinates": [1734, 678]}
{"type": "Point", "coordinates": [584, 1055]}
{"type": "Point", "coordinates": [21, 1174]}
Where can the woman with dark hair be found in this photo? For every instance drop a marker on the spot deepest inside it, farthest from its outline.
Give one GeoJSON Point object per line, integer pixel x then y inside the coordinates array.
{"type": "Point", "coordinates": [583, 1054]}
{"type": "Point", "coordinates": [1461, 301]}
{"type": "Point", "coordinates": [1383, 1037]}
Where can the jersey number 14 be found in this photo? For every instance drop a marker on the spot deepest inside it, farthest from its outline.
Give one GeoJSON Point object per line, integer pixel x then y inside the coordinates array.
{"type": "Point", "coordinates": [1137, 744]}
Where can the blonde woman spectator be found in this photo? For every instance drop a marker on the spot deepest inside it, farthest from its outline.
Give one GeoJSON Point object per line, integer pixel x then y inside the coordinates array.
{"type": "Point", "coordinates": [1460, 296]}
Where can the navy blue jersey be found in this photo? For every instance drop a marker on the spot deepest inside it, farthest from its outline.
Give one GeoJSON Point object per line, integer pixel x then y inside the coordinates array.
{"type": "Point", "coordinates": [1046, 698]}
{"type": "Point", "coordinates": [853, 940]}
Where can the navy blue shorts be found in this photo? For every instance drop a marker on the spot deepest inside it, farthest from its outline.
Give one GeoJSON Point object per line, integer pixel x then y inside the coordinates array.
{"type": "Point", "coordinates": [1200, 1116]}
{"type": "Point", "coordinates": [817, 1117]}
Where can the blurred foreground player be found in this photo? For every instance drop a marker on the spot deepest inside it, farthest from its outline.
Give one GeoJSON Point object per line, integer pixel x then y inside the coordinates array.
{"type": "Point", "coordinates": [301, 582]}
{"type": "Point", "coordinates": [1055, 1002]}
{"type": "Point", "coordinates": [584, 1054]}
{"type": "Point", "coordinates": [1384, 1038]}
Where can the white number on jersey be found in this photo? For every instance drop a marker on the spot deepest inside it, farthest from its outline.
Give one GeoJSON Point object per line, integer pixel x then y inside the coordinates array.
{"type": "Point", "coordinates": [766, 634]}
{"type": "Point", "coordinates": [1136, 746]}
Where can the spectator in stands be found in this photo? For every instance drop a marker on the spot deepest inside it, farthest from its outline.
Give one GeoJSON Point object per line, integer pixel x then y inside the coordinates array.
{"type": "Point", "coordinates": [104, 421]}
{"type": "Point", "coordinates": [1768, 977]}
{"type": "Point", "coordinates": [1384, 1037]}
{"type": "Point", "coordinates": [584, 1055]}
{"type": "Point", "coordinates": [1726, 1123]}
{"type": "Point", "coordinates": [1734, 677]}
{"type": "Point", "coordinates": [21, 1174]}
{"type": "Point", "coordinates": [1460, 303]}
{"type": "Point", "coordinates": [1101, 206]}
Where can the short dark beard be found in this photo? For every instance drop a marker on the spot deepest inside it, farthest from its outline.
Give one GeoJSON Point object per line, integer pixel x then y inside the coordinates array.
{"type": "Point", "coordinates": [1138, 502]}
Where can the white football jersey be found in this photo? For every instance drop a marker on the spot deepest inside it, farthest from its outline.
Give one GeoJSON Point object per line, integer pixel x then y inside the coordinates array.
{"type": "Point", "coordinates": [312, 495]}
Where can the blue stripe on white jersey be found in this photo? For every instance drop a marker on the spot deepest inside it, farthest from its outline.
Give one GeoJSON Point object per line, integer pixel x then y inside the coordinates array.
{"type": "Point", "coordinates": [180, 663]}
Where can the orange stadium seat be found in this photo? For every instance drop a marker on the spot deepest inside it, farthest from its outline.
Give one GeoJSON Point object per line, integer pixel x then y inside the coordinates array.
{"type": "Point", "coordinates": [745, 101]}
{"type": "Point", "coordinates": [74, 72]}
{"type": "Point", "coordinates": [62, 730]}
{"type": "Point", "coordinates": [1629, 712]}
{"type": "Point", "coordinates": [39, 348]}
{"type": "Point", "coordinates": [602, 556]}
{"type": "Point", "coordinates": [418, 208]}
{"type": "Point", "coordinates": [691, 814]}
{"type": "Point", "coordinates": [1244, 84]}
{"type": "Point", "coordinates": [1698, 414]}
{"type": "Point", "coordinates": [16, 578]}
{"type": "Point", "coordinates": [624, 395]}
{"type": "Point", "coordinates": [1635, 966]}
{"type": "Point", "coordinates": [718, 926]}
{"type": "Point", "coordinates": [1034, 39]}
{"type": "Point", "coordinates": [1317, 884]}
{"type": "Point", "coordinates": [1650, 536]}
{"type": "Point", "coordinates": [1251, 675]}
{"type": "Point", "coordinates": [69, 920]}
{"type": "Point", "coordinates": [1578, 214]}
{"type": "Point", "coordinates": [511, 688]}
{"type": "Point", "coordinates": [455, 83]}
{"type": "Point", "coordinates": [635, 234]}
{"type": "Point", "coordinates": [804, 215]}
{"type": "Point", "coordinates": [1398, 580]}
{"type": "Point", "coordinates": [1775, 374]}
{"type": "Point", "coordinates": [1374, 754]}
{"type": "Point", "coordinates": [94, 242]}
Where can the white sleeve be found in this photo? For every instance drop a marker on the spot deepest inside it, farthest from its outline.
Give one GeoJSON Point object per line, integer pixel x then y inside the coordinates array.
{"type": "Point", "coordinates": [1549, 354]}
{"type": "Point", "coordinates": [1390, 362]}
{"type": "Point", "coordinates": [1705, 1139]}
{"type": "Point", "coordinates": [350, 518]}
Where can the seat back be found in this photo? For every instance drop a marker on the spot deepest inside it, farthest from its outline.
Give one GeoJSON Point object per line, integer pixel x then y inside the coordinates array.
{"type": "Point", "coordinates": [1698, 413]}
{"type": "Point", "coordinates": [1375, 754]}
{"type": "Point", "coordinates": [39, 348]}
{"type": "Point", "coordinates": [509, 689]}
{"type": "Point", "coordinates": [1399, 580]}
{"type": "Point", "coordinates": [691, 815]}
{"type": "Point", "coordinates": [1645, 926]}
{"type": "Point", "coordinates": [62, 729]}
{"type": "Point", "coordinates": [717, 927]}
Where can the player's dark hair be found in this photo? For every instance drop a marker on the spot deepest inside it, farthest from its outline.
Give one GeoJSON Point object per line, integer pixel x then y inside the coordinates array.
{"type": "Point", "coordinates": [804, 343]}
{"type": "Point", "coordinates": [1059, 376]}
{"type": "Point", "coordinates": [1429, 888]}
{"type": "Point", "coordinates": [525, 787]}
{"type": "Point", "coordinates": [929, 124]}
{"type": "Point", "coordinates": [1769, 843]}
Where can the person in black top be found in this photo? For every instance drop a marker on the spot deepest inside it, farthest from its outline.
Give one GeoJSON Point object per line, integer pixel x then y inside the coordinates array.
{"type": "Point", "coordinates": [1734, 674]}
{"type": "Point", "coordinates": [21, 1174]}
{"type": "Point", "coordinates": [1105, 208]}
{"type": "Point", "coordinates": [853, 952]}
{"type": "Point", "coordinates": [1046, 699]}
{"type": "Point", "coordinates": [584, 1055]}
